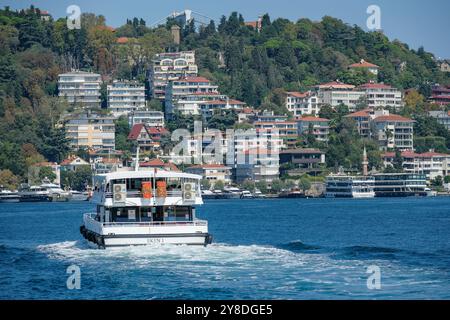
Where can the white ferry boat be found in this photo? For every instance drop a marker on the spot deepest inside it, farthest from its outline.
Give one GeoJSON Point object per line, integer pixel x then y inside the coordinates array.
{"type": "Point", "coordinates": [146, 207]}
{"type": "Point", "coordinates": [343, 186]}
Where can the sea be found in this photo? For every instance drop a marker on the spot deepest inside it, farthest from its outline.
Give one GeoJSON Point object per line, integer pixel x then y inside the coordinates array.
{"type": "Point", "coordinates": [297, 249]}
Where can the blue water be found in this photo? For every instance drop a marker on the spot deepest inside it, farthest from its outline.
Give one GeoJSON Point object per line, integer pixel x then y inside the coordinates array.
{"type": "Point", "coordinates": [264, 249]}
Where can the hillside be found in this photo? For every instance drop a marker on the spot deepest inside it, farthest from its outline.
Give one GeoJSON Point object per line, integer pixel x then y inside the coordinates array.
{"type": "Point", "coordinates": [256, 66]}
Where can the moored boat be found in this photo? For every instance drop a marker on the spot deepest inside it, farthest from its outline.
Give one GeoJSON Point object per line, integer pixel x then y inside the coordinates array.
{"type": "Point", "coordinates": [344, 186]}
{"type": "Point", "coordinates": [8, 196]}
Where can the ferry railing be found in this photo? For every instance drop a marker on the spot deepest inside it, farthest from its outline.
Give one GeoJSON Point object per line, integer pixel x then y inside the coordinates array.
{"type": "Point", "coordinates": [91, 216]}
{"type": "Point", "coordinates": [138, 194]}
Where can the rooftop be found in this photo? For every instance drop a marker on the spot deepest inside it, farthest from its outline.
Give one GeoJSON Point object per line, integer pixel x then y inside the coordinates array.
{"type": "Point", "coordinates": [312, 119]}
{"type": "Point", "coordinates": [363, 64]}
{"type": "Point", "coordinates": [392, 117]}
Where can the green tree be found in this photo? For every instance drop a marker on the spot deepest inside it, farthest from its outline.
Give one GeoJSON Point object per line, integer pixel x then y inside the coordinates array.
{"type": "Point", "coordinates": [304, 184]}
{"type": "Point", "coordinates": [219, 185]}
{"type": "Point", "coordinates": [47, 173]}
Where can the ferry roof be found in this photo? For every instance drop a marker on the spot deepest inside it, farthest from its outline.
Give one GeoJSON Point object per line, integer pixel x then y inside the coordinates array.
{"type": "Point", "coordinates": [148, 174]}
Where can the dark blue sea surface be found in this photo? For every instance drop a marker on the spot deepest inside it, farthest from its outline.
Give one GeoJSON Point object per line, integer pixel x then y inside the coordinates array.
{"type": "Point", "coordinates": [263, 249]}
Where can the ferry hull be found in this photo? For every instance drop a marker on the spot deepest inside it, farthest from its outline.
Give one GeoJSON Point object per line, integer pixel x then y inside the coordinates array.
{"type": "Point", "coordinates": [125, 240]}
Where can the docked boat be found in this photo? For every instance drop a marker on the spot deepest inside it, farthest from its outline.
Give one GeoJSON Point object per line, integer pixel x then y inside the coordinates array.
{"type": "Point", "coordinates": [146, 207]}
{"type": "Point", "coordinates": [80, 195]}
{"type": "Point", "coordinates": [401, 185]}
{"type": "Point", "coordinates": [343, 186]}
{"type": "Point", "coordinates": [208, 194]}
{"type": "Point", "coordinates": [57, 194]}
{"type": "Point", "coordinates": [246, 195]}
{"type": "Point", "coordinates": [8, 196]}
{"type": "Point", "coordinates": [34, 194]}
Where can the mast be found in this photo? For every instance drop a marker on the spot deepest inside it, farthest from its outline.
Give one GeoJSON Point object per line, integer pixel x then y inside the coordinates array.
{"type": "Point", "coordinates": [136, 165]}
{"type": "Point", "coordinates": [365, 163]}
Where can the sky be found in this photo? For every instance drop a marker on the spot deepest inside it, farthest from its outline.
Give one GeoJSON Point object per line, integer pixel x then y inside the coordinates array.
{"type": "Point", "coordinates": [415, 22]}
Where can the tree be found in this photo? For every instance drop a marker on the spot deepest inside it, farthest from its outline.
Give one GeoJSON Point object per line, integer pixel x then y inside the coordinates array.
{"type": "Point", "coordinates": [47, 173]}
{"type": "Point", "coordinates": [78, 179]}
{"type": "Point", "coordinates": [277, 186]}
{"type": "Point", "coordinates": [304, 184]}
{"type": "Point", "coordinates": [261, 186]}
{"type": "Point", "coordinates": [447, 179]}
{"type": "Point", "coordinates": [206, 185]}
{"type": "Point", "coordinates": [398, 161]}
{"type": "Point", "coordinates": [437, 182]}
{"type": "Point", "coordinates": [248, 185]}
{"type": "Point", "coordinates": [219, 185]}
{"type": "Point", "coordinates": [8, 180]}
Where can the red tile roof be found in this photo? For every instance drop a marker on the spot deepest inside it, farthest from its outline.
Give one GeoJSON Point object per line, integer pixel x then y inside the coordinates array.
{"type": "Point", "coordinates": [298, 94]}
{"type": "Point", "coordinates": [335, 85]}
{"type": "Point", "coordinates": [135, 131]}
{"type": "Point", "coordinates": [312, 119]}
{"type": "Point", "coordinates": [375, 86]}
{"type": "Point", "coordinates": [153, 163]}
{"type": "Point", "coordinates": [122, 40]}
{"type": "Point", "coordinates": [195, 79]}
{"type": "Point", "coordinates": [156, 130]}
{"type": "Point", "coordinates": [357, 114]}
{"type": "Point", "coordinates": [363, 64]}
{"type": "Point", "coordinates": [392, 117]}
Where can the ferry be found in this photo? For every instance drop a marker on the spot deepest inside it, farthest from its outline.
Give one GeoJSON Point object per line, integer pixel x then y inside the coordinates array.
{"type": "Point", "coordinates": [8, 196]}
{"type": "Point", "coordinates": [146, 207]}
{"type": "Point", "coordinates": [343, 186]}
{"type": "Point", "coordinates": [401, 185]}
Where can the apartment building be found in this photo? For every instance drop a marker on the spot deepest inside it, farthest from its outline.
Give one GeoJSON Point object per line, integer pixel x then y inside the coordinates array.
{"type": "Point", "coordinates": [319, 127]}
{"type": "Point", "coordinates": [212, 172]}
{"type": "Point", "coordinates": [363, 119]}
{"type": "Point", "coordinates": [170, 66]}
{"type": "Point", "coordinates": [432, 164]}
{"type": "Point", "coordinates": [440, 95]}
{"type": "Point", "coordinates": [380, 95]}
{"type": "Point", "coordinates": [443, 117]}
{"type": "Point", "coordinates": [300, 104]}
{"type": "Point", "coordinates": [150, 118]}
{"type": "Point", "coordinates": [178, 90]}
{"type": "Point", "coordinates": [80, 88]}
{"type": "Point", "coordinates": [125, 96]}
{"type": "Point", "coordinates": [287, 131]}
{"type": "Point", "coordinates": [394, 131]}
{"type": "Point", "coordinates": [208, 108]}
{"type": "Point", "coordinates": [337, 93]}
{"type": "Point", "coordinates": [91, 131]}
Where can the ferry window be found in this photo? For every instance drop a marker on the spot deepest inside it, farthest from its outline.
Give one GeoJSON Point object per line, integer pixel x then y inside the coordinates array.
{"type": "Point", "coordinates": [132, 214]}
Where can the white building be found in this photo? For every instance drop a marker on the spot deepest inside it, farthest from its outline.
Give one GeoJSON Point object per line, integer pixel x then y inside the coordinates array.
{"type": "Point", "coordinates": [443, 117]}
{"type": "Point", "coordinates": [212, 172]}
{"type": "Point", "coordinates": [125, 96]}
{"type": "Point", "coordinates": [91, 132]}
{"type": "Point", "coordinates": [319, 127]}
{"type": "Point", "coordinates": [370, 67]}
{"type": "Point", "coordinates": [394, 131]}
{"type": "Point", "coordinates": [380, 95]}
{"type": "Point", "coordinates": [170, 66]}
{"type": "Point", "coordinates": [80, 87]}
{"type": "Point", "coordinates": [178, 90]}
{"type": "Point", "coordinates": [337, 93]}
{"type": "Point", "coordinates": [209, 107]}
{"type": "Point", "coordinates": [432, 164]}
{"type": "Point", "coordinates": [302, 103]}
{"type": "Point", "coordinates": [150, 118]}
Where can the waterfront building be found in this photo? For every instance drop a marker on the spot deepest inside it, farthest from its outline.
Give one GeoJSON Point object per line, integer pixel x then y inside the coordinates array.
{"type": "Point", "coordinates": [319, 127]}
{"type": "Point", "coordinates": [150, 118]}
{"type": "Point", "coordinates": [380, 95]}
{"type": "Point", "coordinates": [394, 131]}
{"type": "Point", "coordinates": [431, 164]}
{"type": "Point", "coordinates": [91, 131]}
{"type": "Point", "coordinates": [337, 93]}
{"type": "Point", "coordinates": [443, 117]}
{"type": "Point", "coordinates": [125, 96]}
{"type": "Point", "coordinates": [34, 170]}
{"type": "Point", "coordinates": [301, 160]}
{"type": "Point", "coordinates": [212, 172]}
{"type": "Point", "coordinates": [80, 88]}
{"type": "Point", "coordinates": [400, 184]}
{"type": "Point", "coordinates": [72, 163]}
{"type": "Point", "coordinates": [362, 64]}
{"type": "Point", "coordinates": [170, 66]}
{"type": "Point", "coordinates": [300, 104]}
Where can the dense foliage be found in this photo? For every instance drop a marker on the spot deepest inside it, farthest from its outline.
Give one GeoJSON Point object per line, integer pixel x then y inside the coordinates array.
{"type": "Point", "coordinates": [248, 65]}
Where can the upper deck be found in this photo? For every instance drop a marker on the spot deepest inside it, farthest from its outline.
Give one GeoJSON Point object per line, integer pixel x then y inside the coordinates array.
{"type": "Point", "coordinates": [148, 188]}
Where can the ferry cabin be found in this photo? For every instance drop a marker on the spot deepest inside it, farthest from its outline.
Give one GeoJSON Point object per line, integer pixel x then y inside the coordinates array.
{"type": "Point", "coordinates": [400, 185]}
{"type": "Point", "coordinates": [144, 207]}
{"type": "Point", "coordinates": [342, 186]}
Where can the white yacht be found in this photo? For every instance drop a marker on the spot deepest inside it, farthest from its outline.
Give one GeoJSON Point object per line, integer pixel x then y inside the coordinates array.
{"type": "Point", "coordinates": [57, 194]}
{"type": "Point", "coordinates": [146, 207]}
{"type": "Point", "coordinates": [246, 195]}
{"type": "Point", "coordinates": [343, 186]}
